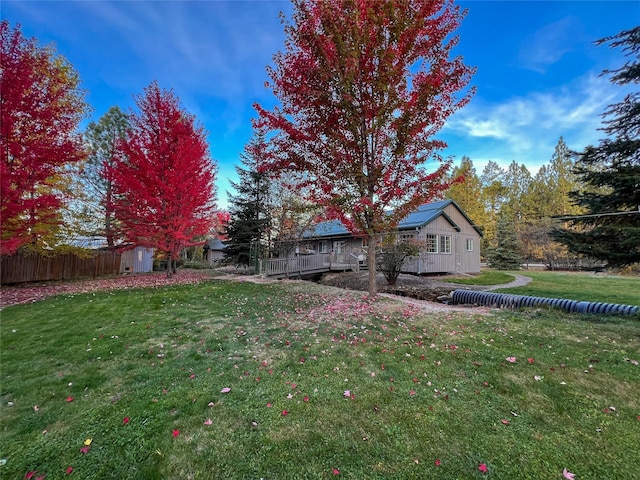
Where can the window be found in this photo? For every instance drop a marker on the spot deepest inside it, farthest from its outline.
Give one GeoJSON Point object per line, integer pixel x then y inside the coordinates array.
{"type": "Point", "coordinates": [405, 237]}
{"type": "Point", "coordinates": [324, 246]}
{"type": "Point", "coordinates": [339, 246]}
{"type": "Point", "coordinates": [431, 243]}
{"type": "Point", "coordinates": [469, 244]}
{"type": "Point", "coordinates": [445, 243]}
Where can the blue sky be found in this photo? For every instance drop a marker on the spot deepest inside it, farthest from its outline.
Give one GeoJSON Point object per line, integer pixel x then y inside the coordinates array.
{"type": "Point", "coordinates": [538, 74]}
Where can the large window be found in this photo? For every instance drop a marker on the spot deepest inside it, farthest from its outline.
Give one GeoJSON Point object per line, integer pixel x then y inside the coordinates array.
{"type": "Point", "coordinates": [324, 246]}
{"type": "Point", "coordinates": [431, 243]}
{"type": "Point", "coordinates": [445, 243]}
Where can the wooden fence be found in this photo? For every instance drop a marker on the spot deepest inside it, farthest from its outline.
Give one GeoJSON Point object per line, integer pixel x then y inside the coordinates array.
{"type": "Point", "coordinates": [21, 268]}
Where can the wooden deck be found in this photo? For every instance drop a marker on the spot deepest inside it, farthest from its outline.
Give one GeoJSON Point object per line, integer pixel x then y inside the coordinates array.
{"type": "Point", "coordinates": [310, 264]}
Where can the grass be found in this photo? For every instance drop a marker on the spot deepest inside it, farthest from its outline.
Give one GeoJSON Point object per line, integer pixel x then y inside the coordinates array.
{"type": "Point", "coordinates": [581, 286]}
{"type": "Point", "coordinates": [485, 278]}
{"type": "Point", "coordinates": [141, 373]}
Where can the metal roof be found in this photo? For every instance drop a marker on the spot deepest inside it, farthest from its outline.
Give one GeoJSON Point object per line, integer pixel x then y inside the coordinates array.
{"type": "Point", "coordinates": [422, 216]}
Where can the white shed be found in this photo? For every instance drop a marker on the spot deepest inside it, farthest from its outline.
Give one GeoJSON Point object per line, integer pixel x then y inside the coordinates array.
{"type": "Point", "coordinates": [137, 260]}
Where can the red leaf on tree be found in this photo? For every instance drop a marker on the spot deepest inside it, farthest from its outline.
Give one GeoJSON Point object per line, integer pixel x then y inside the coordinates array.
{"type": "Point", "coordinates": [42, 107]}
{"type": "Point", "coordinates": [363, 96]}
{"type": "Point", "coordinates": [164, 179]}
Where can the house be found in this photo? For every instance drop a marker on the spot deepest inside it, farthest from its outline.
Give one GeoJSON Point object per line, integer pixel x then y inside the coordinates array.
{"type": "Point", "coordinates": [213, 250]}
{"type": "Point", "coordinates": [450, 240]}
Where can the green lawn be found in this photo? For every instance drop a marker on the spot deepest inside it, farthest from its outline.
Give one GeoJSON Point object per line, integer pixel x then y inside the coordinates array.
{"type": "Point", "coordinates": [298, 381]}
{"type": "Point", "coordinates": [581, 286]}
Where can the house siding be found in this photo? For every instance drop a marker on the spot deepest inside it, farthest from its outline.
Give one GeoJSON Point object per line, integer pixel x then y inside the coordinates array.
{"type": "Point", "coordinates": [459, 260]}
{"type": "Point", "coordinates": [137, 260]}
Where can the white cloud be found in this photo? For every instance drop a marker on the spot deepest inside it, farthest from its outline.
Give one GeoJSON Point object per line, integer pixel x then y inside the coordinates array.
{"type": "Point", "coordinates": [527, 128]}
{"type": "Point", "coordinates": [549, 44]}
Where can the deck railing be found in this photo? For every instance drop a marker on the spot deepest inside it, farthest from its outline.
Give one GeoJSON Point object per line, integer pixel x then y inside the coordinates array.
{"type": "Point", "coordinates": [307, 264]}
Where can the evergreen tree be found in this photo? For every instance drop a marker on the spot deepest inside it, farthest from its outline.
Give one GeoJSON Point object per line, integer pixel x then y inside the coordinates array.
{"type": "Point", "coordinates": [468, 193]}
{"type": "Point", "coordinates": [102, 138]}
{"type": "Point", "coordinates": [493, 196]}
{"type": "Point", "coordinates": [516, 182]}
{"type": "Point", "coordinates": [505, 255]}
{"type": "Point", "coordinates": [548, 196]}
{"type": "Point", "coordinates": [611, 173]}
{"type": "Point", "coordinates": [250, 212]}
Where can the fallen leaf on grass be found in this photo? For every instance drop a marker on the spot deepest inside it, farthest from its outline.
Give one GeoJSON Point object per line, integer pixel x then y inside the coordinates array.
{"type": "Point", "coordinates": [69, 399]}
{"type": "Point", "coordinates": [125, 420]}
{"type": "Point", "coordinates": [505, 422]}
{"type": "Point", "coordinates": [437, 462]}
{"type": "Point", "coordinates": [84, 450]}
{"type": "Point", "coordinates": [511, 359]}
{"type": "Point", "coordinates": [285, 413]}
{"type": "Point", "coordinates": [208, 421]}
{"type": "Point", "coordinates": [225, 390]}
{"type": "Point", "coordinates": [336, 471]}
{"type": "Point", "coordinates": [567, 474]}
{"type": "Point", "coordinates": [87, 442]}
{"type": "Point", "coordinates": [530, 360]}
{"type": "Point", "coordinates": [175, 433]}
{"type": "Point", "coordinates": [483, 467]}
{"type": "Point", "coordinates": [68, 470]}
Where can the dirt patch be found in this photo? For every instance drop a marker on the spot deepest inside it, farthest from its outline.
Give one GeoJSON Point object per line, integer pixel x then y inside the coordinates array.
{"type": "Point", "coordinates": [429, 288]}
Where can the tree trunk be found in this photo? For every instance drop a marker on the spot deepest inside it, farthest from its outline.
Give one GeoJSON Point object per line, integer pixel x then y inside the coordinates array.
{"type": "Point", "coordinates": [169, 266]}
{"type": "Point", "coordinates": [371, 260]}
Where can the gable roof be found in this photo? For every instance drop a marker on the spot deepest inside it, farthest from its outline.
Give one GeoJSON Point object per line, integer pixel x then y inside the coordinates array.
{"type": "Point", "coordinates": [423, 215]}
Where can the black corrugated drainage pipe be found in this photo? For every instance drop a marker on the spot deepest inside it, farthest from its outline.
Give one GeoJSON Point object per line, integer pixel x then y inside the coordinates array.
{"type": "Point", "coordinates": [506, 300]}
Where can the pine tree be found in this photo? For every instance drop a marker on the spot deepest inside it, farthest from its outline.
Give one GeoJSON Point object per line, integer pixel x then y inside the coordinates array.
{"type": "Point", "coordinates": [102, 138]}
{"type": "Point", "coordinates": [250, 213]}
{"type": "Point", "coordinates": [493, 196]}
{"type": "Point", "coordinates": [505, 255]}
{"type": "Point", "coordinates": [611, 173]}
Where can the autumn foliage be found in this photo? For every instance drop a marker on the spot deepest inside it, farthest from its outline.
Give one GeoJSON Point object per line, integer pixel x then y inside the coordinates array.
{"type": "Point", "coordinates": [40, 107]}
{"type": "Point", "coordinates": [164, 179]}
{"type": "Point", "coordinates": [364, 86]}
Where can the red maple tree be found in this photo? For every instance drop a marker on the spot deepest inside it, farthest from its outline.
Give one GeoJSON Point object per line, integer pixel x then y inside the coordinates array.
{"type": "Point", "coordinates": [164, 179]}
{"type": "Point", "coordinates": [40, 109]}
{"type": "Point", "coordinates": [364, 86]}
